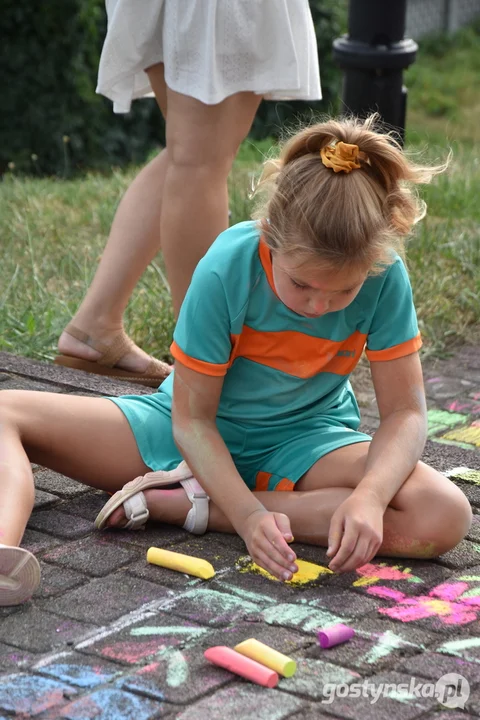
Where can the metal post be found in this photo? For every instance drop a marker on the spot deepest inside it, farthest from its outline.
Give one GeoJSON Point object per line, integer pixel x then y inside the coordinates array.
{"type": "Point", "coordinates": [373, 56]}
{"type": "Point", "coordinates": [452, 23]}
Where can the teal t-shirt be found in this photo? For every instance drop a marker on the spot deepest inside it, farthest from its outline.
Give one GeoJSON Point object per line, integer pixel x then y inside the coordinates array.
{"type": "Point", "coordinates": [280, 366]}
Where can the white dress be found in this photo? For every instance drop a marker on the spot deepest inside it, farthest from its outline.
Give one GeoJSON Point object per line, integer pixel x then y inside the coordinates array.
{"type": "Point", "coordinates": [210, 49]}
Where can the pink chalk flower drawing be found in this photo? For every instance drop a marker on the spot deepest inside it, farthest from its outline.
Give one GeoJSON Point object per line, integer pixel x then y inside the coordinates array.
{"type": "Point", "coordinates": [452, 603]}
{"type": "Point", "coordinates": [371, 574]}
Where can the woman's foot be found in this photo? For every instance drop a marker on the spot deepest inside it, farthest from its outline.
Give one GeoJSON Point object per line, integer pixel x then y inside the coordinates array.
{"type": "Point", "coordinates": [166, 506]}
{"type": "Point", "coordinates": [110, 353]}
{"type": "Point", "coordinates": [135, 360]}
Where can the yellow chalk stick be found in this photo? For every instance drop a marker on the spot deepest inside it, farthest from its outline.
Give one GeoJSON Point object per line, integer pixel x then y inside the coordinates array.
{"type": "Point", "coordinates": [182, 563]}
{"type": "Point", "coordinates": [256, 650]}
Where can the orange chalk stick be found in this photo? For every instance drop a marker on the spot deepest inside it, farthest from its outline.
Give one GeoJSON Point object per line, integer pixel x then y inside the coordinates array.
{"type": "Point", "coordinates": [227, 658]}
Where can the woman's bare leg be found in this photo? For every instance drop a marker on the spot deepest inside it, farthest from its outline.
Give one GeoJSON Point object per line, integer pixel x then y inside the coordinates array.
{"type": "Point", "coordinates": [202, 142]}
{"type": "Point", "coordinates": [133, 242]}
{"type": "Point", "coordinates": [87, 439]}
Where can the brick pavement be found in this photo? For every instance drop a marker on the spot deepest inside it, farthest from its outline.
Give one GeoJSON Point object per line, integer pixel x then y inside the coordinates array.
{"type": "Point", "coordinates": [108, 637]}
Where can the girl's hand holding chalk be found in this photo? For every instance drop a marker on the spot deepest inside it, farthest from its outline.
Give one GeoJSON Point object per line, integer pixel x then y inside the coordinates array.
{"type": "Point", "coordinates": [356, 532]}
{"type": "Point", "coordinates": [266, 535]}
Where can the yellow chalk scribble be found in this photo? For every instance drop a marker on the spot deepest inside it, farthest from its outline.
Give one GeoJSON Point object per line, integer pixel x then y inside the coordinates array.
{"type": "Point", "coordinates": [469, 435]}
{"type": "Point", "coordinates": [307, 571]}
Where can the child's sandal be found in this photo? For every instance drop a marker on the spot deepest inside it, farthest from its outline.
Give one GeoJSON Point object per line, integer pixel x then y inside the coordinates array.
{"type": "Point", "coordinates": [135, 506]}
{"type": "Point", "coordinates": [19, 575]}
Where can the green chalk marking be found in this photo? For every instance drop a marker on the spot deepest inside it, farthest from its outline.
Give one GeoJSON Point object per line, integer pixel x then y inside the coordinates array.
{"type": "Point", "coordinates": [176, 630]}
{"type": "Point", "coordinates": [455, 647]}
{"type": "Point", "coordinates": [465, 474]}
{"type": "Point", "coordinates": [177, 672]}
{"type": "Point", "coordinates": [474, 592]}
{"type": "Point", "coordinates": [177, 669]}
{"type": "Point", "coordinates": [402, 697]}
{"type": "Point", "coordinates": [301, 615]}
{"type": "Point", "coordinates": [439, 420]}
{"type": "Point", "coordinates": [247, 594]}
{"type": "Point", "coordinates": [386, 644]}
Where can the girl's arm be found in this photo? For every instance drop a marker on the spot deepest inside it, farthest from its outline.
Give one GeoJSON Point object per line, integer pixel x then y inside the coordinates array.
{"type": "Point", "coordinates": [394, 452]}
{"type": "Point", "coordinates": [194, 409]}
{"type": "Point", "coordinates": [399, 441]}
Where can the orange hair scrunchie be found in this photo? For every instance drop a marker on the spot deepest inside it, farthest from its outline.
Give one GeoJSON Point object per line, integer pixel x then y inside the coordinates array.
{"type": "Point", "coordinates": [341, 157]}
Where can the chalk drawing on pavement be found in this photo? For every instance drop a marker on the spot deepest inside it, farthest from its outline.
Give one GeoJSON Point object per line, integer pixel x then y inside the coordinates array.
{"type": "Point", "coordinates": [307, 572]}
{"type": "Point", "coordinates": [455, 603]}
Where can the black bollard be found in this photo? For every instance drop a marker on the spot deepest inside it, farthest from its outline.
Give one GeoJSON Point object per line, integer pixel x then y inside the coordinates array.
{"type": "Point", "coordinates": [373, 57]}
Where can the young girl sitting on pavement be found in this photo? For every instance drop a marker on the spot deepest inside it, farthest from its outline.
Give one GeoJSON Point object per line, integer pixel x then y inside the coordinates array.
{"type": "Point", "coordinates": [256, 430]}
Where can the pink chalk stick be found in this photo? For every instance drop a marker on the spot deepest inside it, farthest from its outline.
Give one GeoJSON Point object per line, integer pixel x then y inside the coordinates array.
{"type": "Point", "coordinates": [241, 665]}
{"type": "Point", "coordinates": [335, 635]}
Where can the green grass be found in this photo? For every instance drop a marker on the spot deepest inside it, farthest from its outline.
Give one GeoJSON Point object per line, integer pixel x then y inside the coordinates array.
{"type": "Point", "coordinates": [53, 232]}
{"type": "Point", "coordinates": [444, 255]}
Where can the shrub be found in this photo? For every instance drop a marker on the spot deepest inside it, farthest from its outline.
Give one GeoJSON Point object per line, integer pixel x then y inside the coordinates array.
{"type": "Point", "coordinates": [55, 123]}
{"type": "Point", "coordinates": [52, 119]}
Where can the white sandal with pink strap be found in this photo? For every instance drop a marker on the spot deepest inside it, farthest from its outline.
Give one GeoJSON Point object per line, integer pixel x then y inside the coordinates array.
{"type": "Point", "coordinates": [135, 505]}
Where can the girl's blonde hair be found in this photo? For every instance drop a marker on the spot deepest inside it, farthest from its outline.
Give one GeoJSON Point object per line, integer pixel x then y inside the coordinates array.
{"type": "Point", "coordinates": [341, 219]}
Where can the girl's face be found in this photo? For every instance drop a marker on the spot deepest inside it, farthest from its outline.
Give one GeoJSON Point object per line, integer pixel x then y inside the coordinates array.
{"type": "Point", "coordinates": [314, 290]}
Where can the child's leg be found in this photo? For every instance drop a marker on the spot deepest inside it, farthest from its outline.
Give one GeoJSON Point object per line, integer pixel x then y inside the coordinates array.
{"type": "Point", "coordinates": [428, 516]}
{"type": "Point", "coordinates": [86, 438]}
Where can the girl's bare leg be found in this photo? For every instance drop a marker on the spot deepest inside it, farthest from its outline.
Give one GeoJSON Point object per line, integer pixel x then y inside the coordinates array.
{"type": "Point", "coordinates": [428, 516]}
{"type": "Point", "coordinates": [90, 440]}
{"type": "Point", "coordinates": [87, 439]}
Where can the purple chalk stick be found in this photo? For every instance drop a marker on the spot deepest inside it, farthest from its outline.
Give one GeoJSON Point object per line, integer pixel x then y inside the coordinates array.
{"type": "Point", "coordinates": [335, 635]}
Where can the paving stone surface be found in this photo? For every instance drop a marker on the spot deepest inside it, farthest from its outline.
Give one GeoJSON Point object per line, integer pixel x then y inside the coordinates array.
{"type": "Point", "coordinates": [97, 557]}
{"type": "Point", "coordinates": [57, 580]}
{"type": "Point", "coordinates": [62, 524]}
{"type": "Point", "coordinates": [140, 641]}
{"type": "Point", "coordinates": [28, 696]}
{"type": "Point", "coordinates": [41, 631]}
{"type": "Point", "coordinates": [44, 499]}
{"type": "Point", "coordinates": [106, 599]}
{"type": "Point", "coordinates": [57, 484]}
{"type": "Point", "coordinates": [13, 659]}
{"type": "Point", "coordinates": [110, 637]}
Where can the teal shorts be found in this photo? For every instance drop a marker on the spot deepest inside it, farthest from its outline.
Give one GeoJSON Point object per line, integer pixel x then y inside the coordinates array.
{"type": "Point", "coordinates": [267, 458]}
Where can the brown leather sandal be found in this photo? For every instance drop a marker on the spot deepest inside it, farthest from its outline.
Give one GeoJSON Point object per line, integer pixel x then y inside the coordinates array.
{"type": "Point", "coordinates": [153, 376]}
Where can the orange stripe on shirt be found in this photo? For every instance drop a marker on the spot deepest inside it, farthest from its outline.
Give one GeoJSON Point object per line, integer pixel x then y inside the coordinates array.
{"type": "Point", "coordinates": [261, 481]}
{"type": "Point", "coordinates": [298, 354]}
{"type": "Point", "coordinates": [266, 260]}
{"type": "Point", "coordinates": [199, 366]}
{"type": "Point", "coordinates": [285, 485]}
{"type": "Point", "coordinates": [397, 351]}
